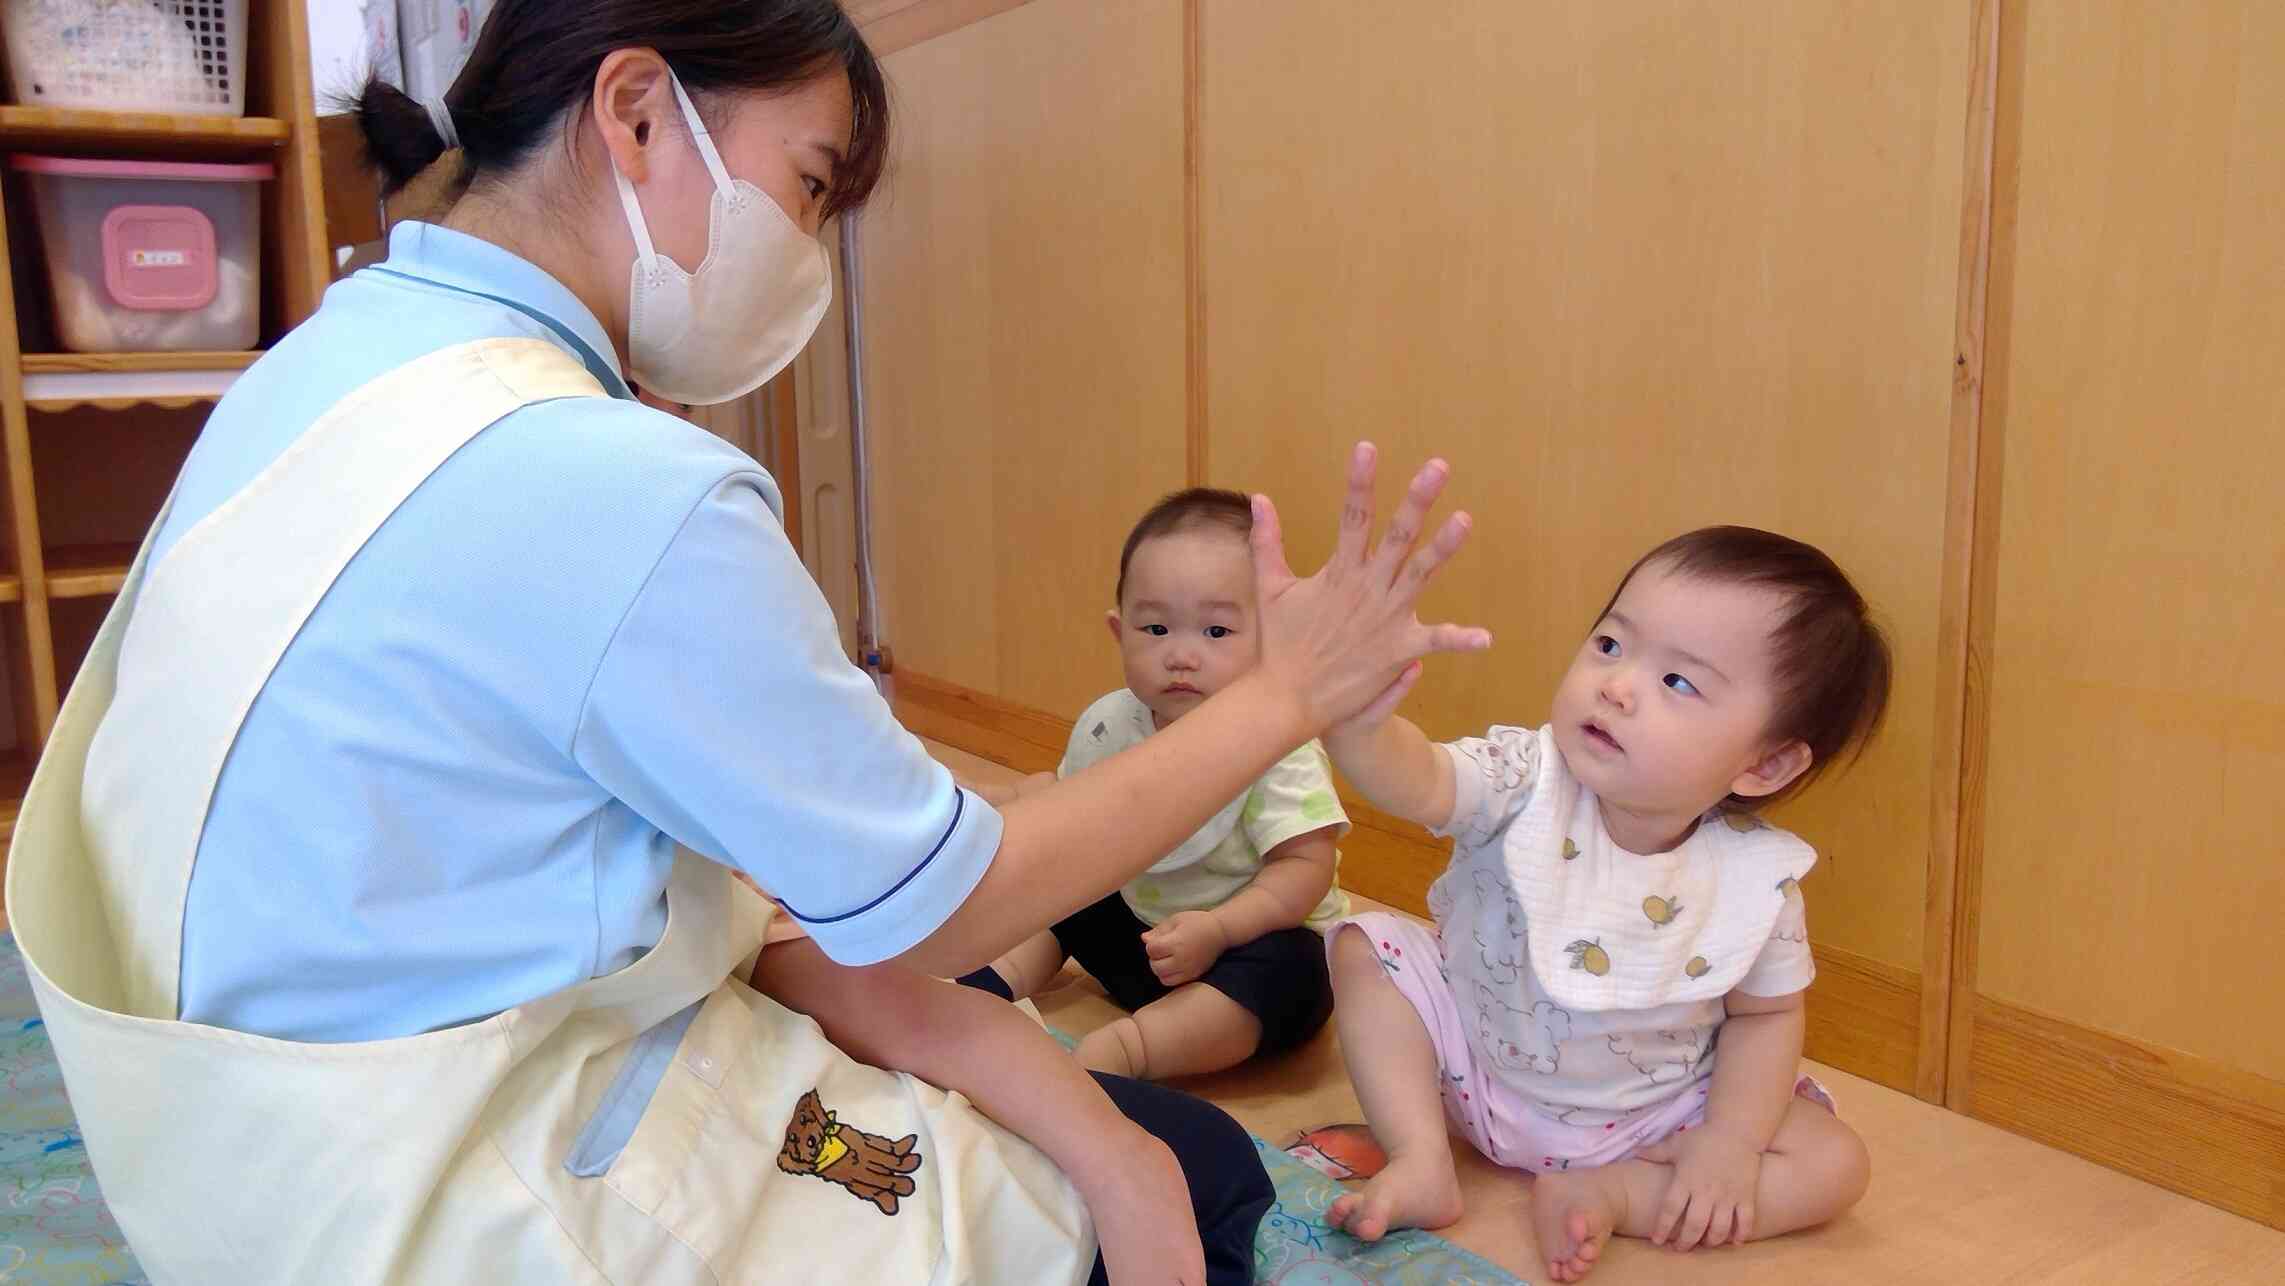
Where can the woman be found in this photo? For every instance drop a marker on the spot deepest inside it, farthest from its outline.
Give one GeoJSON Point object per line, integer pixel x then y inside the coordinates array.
{"type": "Point", "coordinates": [377, 879]}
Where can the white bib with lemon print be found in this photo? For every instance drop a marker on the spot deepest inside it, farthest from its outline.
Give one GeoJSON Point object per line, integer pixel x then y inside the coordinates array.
{"type": "Point", "coordinates": [1608, 929]}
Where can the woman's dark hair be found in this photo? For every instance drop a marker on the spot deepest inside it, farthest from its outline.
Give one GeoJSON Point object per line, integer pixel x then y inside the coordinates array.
{"type": "Point", "coordinates": [536, 60]}
{"type": "Point", "coordinates": [1831, 658]}
{"type": "Point", "coordinates": [1182, 511]}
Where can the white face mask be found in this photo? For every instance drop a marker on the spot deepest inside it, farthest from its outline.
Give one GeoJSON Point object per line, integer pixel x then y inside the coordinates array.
{"type": "Point", "coordinates": [721, 332]}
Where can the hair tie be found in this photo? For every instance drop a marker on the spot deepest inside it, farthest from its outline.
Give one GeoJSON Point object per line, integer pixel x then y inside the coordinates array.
{"type": "Point", "coordinates": [440, 116]}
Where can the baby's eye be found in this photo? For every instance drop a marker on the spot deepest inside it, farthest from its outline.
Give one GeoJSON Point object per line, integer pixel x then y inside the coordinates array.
{"type": "Point", "coordinates": [1155, 631]}
{"type": "Point", "coordinates": [1681, 685]}
{"type": "Point", "coordinates": [1219, 631]}
{"type": "Point", "coordinates": [1606, 645]}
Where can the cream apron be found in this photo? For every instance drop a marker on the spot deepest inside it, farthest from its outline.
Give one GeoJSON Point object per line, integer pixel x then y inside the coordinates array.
{"type": "Point", "coordinates": [765, 1154]}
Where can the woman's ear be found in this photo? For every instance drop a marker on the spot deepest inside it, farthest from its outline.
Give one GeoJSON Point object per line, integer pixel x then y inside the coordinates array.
{"type": "Point", "coordinates": [634, 98]}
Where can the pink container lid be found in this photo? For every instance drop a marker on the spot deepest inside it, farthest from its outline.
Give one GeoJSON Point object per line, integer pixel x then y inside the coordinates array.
{"type": "Point", "coordinates": [190, 171]}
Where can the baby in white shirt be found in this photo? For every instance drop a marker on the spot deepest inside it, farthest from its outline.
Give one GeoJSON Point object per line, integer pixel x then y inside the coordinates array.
{"type": "Point", "coordinates": [1614, 910]}
{"type": "Point", "coordinates": [1213, 952]}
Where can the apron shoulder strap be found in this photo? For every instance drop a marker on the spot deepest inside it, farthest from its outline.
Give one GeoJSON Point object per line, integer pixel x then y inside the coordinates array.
{"type": "Point", "coordinates": [192, 641]}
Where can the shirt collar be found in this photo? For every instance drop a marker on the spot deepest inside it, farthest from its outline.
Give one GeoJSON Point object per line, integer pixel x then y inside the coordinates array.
{"type": "Point", "coordinates": [440, 256]}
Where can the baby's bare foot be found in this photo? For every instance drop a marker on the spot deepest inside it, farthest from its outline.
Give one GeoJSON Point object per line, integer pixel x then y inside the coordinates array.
{"type": "Point", "coordinates": [1409, 1193]}
{"type": "Point", "coordinates": [1573, 1214]}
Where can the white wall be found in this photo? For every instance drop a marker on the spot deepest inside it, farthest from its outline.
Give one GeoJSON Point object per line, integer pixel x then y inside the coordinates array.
{"type": "Point", "coordinates": [340, 48]}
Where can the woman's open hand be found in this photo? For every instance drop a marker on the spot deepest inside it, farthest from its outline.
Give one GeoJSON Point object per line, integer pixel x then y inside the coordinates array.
{"type": "Point", "coordinates": [1346, 641]}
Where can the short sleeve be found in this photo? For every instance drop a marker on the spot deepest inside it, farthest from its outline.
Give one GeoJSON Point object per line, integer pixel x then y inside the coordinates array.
{"type": "Point", "coordinates": [1077, 753]}
{"type": "Point", "coordinates": [1785, 964]}
{"type": "Point", "coordinates": [1293, 798]}
{"type": "Point", "coordinates": [1492, 779]}
{"type": "Point", "coordinates": [725, 714]}
{"type": "Point", "coordinates": [1116, 719]}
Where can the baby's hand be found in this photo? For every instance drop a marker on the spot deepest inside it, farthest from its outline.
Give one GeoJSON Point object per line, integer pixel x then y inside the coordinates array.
{"type": "Point", "coordinates": [1710, 1202]}
{"type": "Point", "coordinates": [993, 793]}
{"type": "Point", "coordinates": [1185, 947]}
{"type": "Point", "coordinates": [1359, 730]}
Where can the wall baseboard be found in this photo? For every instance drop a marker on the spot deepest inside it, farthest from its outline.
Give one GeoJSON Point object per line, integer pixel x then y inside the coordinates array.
{"type": "Point", "coordinates": [1864, 1017]}
{"type": "Point", "coordinates": [2191, 1124]}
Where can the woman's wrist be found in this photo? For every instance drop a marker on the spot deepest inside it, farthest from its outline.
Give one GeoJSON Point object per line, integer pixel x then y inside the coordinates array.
{"type": "Point", "coordinates": [1106, 1168]}
{"type": "Point", "coordinates": [1273, 703]}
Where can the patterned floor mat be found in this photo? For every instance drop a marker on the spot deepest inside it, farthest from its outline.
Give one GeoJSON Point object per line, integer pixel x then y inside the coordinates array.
{"type": "Point", "coordinates": [54, 1227]}
{"type": "Point", "coordinates": [1295, 1247]}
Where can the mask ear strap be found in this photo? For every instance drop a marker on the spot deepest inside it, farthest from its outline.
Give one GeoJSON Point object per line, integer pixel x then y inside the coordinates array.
{"type": "Point", "coordinates": [644, 249]}
{"type": "Point", "coordinates": [699, 134]}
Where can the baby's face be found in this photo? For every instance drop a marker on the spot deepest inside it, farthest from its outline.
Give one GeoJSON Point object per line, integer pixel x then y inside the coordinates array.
{"type": "Point", "coordinates": [1666, 708]}
{"type": "Point", "coordinates": [1187, 625]}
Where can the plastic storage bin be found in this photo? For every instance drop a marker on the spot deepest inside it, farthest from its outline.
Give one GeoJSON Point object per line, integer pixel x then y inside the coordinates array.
{"type": "Point", "coordinates": [186, 57]}
{"type": "Point", "coordinates": [150, 256]}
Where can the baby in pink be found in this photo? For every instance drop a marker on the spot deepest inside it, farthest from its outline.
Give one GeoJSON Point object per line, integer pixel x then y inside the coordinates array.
{"type": "Point", "coordinates": [1523, 1131]}
{"type": "Point", "coordinates": [1615, 908]}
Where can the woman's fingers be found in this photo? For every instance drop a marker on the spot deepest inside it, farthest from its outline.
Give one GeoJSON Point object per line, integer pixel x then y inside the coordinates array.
{"type": "Point", "coordinates": [1344, 638]}
{"type": "Point", "coordinates": [1411, 519]}
{"type": "Point", "coordinates": [1271, 573]}
{"type": "Point", "coordinates": [1357, 506]}
{"type": "Point", "coordinates": [1422, 566]}
{"type": "Point", "coordinates": [1456, 638]}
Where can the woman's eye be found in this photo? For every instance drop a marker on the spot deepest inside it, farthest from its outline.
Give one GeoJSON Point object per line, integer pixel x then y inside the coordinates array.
{"type": "Point", "coordinates": [1218, 631]}
{"type": "Point", "coordinates": [815, 186]}
{"type": "Point", "coordinates": [1681, 685]}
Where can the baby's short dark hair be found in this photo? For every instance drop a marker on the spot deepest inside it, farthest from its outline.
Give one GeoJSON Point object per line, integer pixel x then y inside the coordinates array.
{"type": "Point", "coordinates": [1181, 511]}
{"type": "Point", "coordinates": [1832, 661]}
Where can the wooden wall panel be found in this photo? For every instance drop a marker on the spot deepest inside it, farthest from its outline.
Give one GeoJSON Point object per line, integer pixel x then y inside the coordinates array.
{"type": "Point", "coordinates": [819, 427]}
{"type": "Point", "coordinates": [1634, 269]}
{"type": "Point", "coordinates": [891, 25]}
{"type": "Point", "coordinates": [2133, 823]}
{"type": "Point", "coordinates": [1024, 319]}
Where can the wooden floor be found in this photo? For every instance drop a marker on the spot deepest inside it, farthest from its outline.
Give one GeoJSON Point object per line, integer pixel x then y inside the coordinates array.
{"type": "Point", "coordinates": [1952, 1200]}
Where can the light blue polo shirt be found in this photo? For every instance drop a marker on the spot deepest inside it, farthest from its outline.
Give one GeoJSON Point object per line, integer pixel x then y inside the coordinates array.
{"type": "Point", "coordinates": [583, 640]}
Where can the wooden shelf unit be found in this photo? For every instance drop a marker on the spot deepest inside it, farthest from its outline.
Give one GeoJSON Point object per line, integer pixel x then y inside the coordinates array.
{"type": "Point", "coordinates": [87, 571]}
{"type": "Point", "coordinates": [128, 363]}
{"type": "Point", "coordinates": [59, 382]}
{"type": "Point", "coordinates": [146, 135]}
{"type": "Point", "coordinates": [36, 576]}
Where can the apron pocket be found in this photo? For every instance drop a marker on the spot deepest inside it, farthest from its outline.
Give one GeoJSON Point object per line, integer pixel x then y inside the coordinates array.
{"type": "Point", "coordinates": [774, 1157]}
{"type": "Point", "coordinates": [763, 1143]}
